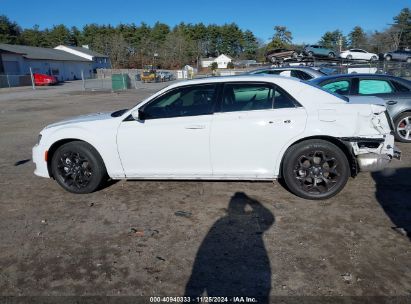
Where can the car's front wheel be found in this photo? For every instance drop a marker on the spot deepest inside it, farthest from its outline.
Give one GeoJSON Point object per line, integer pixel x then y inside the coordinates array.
{"type": "Point", "coordinates": [388, 57]}
{"type": "Point", "coordinates": [78, 168]}
{"type": "Point", "coordinates": [331, 55]}
{"type": "Point", "coordinates": [403, 127]}
{"type": "Point", "coordinates": [374, 58]}
{"type": "Point", "coordinates": [315, 169]}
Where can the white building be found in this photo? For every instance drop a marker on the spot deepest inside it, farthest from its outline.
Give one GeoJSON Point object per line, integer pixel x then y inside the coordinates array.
{"type": "Point", "coordinates": [222, 61]}
{"type": "Point", "coordinates": [99, 61]}
{"type": "Point", "coordinates": [18, 59]}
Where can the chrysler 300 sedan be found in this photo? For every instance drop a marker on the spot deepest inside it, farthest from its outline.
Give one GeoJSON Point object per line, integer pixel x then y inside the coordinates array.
{"type": "Point", "coordinates": [231, 128]}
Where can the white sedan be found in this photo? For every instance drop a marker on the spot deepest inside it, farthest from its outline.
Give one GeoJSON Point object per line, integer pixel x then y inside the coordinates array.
{"type": "Point", "coordinates": [358, 54]}
{"type": "Point", "coordinates": [230, 128]}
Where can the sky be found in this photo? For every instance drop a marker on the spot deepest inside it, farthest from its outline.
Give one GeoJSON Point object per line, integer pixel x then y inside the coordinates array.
{"type": "Point", "coordinates": [307, 20]}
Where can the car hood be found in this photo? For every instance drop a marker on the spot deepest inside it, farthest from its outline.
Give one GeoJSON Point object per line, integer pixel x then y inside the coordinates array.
{"type": "Point", "coordinates": [366, 100]}
{"type": "Point", "coordinates": [82, 118]}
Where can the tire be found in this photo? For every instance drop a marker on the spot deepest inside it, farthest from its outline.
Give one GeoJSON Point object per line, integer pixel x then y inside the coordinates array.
{"type": "Point", "coordinates": [403, 127]}
{"type": "Point", "coordinates": [331, 55]}
{"type": "Point", "coordinates": [273, 59]}
{"type": "Point", "coordinates": [408, 60]}
{"type": "Point", "coordinates": [349, 57]}
{"type": "Point", "coordinates": [78, 168]}
{"type": "Point", "coordinates": [315, 169]}
{"type": "Point", "coordinates": [374, 58]}
{"type": "Point", "coordinates": [388, 57]}
{"type": "Point", "coordinates": [310, 54]}
{"type": "Point", "coordinates": [294, 55]}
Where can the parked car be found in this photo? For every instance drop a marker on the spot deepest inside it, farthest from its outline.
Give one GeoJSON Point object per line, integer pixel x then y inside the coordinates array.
{"type": "Point", "coordinates": [395, 91]}
{"type": "Point", "coordinates": [280, 55]}
{"type": "Point", "coordinates": [43, 79]}
{"type": "Point", "coordinates": [223, 128]}
{"type": "Point", "coordinates": [165, 76]}
{"type": "Point", "coordinates": [318, 51]}
{"type": "Point", "coordinates": [300, 72]}
{"type": "Point", "coordinates": [358, 54]}
{"type": "Point", "coordinates": [401, 55]}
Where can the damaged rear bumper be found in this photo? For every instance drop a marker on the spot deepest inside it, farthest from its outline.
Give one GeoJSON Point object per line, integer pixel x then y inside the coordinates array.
{"type": "Point", "coordinates": [373, 154]}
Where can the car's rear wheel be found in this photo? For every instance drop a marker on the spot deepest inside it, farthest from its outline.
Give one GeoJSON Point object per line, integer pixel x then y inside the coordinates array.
{"type": "Point", "coordinates": [78, 168]}
{"type": "Point", "coordinates": [310, 54]}
{"type": "Point", "coordinates": [349, 57]}
{"type": "Point", "coordinates": [388, 57]}
{"type": "Point", "coordinates": [374, 58]}
{"type": "Point", "coordinates": [273, 59]}
{"type": "Point", "coordinates": [331, 55]}
{"type": "Point", "coordinates": [315, 169]}
{"type": "Point", "coordinates": [409, 60]}
{"type": "Point", "coordinates": [294, 55]}
{"type": "Point", "coordinates": [403, 127]}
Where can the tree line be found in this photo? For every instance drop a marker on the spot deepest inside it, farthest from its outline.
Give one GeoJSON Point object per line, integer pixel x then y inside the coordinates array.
{"type": "Point", "coordinates": [132, 46]}
{"type": "Point", "coordinates": [396, 36]}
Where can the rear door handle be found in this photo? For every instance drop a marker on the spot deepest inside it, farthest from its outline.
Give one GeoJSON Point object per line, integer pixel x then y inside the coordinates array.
{"type": "Point", "coordinates": [195, 127]}
{"type": "Point", "coordinates": [391, 102]}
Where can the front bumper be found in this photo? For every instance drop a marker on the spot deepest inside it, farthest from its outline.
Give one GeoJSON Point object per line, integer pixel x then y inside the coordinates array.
{"type": "Point", "coordinates": [40, 161]}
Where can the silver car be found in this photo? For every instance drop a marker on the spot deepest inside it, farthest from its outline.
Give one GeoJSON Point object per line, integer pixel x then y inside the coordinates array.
{"type": "Point", "coordinates": [401, 55]}
{"type": "Point", "coordinates": [300, 72]}
{"type": "Point", "coordinates": [395, 91]}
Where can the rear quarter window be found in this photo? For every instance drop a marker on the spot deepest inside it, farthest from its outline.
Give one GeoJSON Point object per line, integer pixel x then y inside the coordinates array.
{"type": "Point", "coordinates": [374, 86]}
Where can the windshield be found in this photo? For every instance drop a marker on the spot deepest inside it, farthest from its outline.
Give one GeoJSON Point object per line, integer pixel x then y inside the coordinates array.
{"type": "Point", "coordinates": [324, 90]}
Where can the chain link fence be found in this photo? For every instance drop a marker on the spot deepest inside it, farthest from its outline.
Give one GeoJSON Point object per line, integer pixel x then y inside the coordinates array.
{"type": "Point", "coordinates": [10, 81]}
{"type": "Point", "coordinates": [118, 79]}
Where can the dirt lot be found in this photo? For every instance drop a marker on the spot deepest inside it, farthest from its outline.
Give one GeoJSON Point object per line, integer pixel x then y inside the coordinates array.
{"type": "Point", "coordinates": [127, 239]}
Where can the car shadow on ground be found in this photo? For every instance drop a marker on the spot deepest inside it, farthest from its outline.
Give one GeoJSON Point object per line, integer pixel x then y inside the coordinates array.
{"type": "Point", "coordinates": [393, 192]}
{"type": "Point", "coordinates": [232, 259]}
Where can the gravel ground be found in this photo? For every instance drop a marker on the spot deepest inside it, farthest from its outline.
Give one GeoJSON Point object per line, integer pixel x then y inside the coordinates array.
{"type": "Point", "coordinates": [175, 238]}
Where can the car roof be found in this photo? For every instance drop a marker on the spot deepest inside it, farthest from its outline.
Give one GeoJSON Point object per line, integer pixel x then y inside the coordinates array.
{"type": "Point", "coordinates": [246, 78]}
{"type": "Point", "coordinates": [287, 68]}
{"type": "Point", "coordinates": [359, 75]}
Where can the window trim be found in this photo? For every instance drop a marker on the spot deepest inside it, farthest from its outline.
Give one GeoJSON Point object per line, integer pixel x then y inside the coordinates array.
{"type": "Point", "coordinates": [213, 108]}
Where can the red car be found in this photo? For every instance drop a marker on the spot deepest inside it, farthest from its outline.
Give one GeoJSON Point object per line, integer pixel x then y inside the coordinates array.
{"type": "Point", "coordinates": [43, 79]}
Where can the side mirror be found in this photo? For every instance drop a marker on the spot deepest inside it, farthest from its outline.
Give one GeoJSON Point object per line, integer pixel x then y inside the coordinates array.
{"type": "Point", "coordinates": [138, 115]}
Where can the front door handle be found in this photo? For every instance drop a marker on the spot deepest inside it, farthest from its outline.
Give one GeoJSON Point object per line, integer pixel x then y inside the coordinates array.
{"type": "Point", "coordinates": [391, 102]}
{"type": "Point", "coordinates": [195, 127]}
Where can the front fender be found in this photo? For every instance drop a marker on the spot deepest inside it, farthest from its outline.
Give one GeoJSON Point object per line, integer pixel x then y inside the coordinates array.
{"type": "Point", "coordinates": [104, 143]}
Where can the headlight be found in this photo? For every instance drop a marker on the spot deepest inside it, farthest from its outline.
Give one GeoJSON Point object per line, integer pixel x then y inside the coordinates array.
{"type": "Point", "coordinates": [38, 139]}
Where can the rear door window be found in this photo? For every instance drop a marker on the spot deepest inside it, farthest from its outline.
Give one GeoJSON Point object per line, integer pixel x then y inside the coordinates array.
{"type": "Point", "coordinates": [300, 75]}
{"type": "Point", "coordinates": [342, 87]}
{"type": "Point", "coordinates": [247, 97]}
{"type": "Point", "coordinates": [374, 86]}
{"type": "Point", "coordinates": [283, 100]}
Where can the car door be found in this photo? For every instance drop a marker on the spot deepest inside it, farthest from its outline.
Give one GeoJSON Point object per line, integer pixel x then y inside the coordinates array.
{"type": "Point", "coordinates": [172, 139]}
{"type": "Point", "coordinates": [397, 55]}
{"type": "Point", "coordinates": [253, 123]}
{"type": "Point", "coordinates": [395, 95]}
